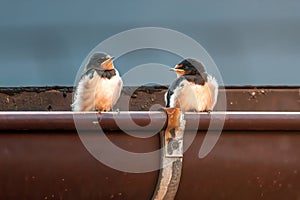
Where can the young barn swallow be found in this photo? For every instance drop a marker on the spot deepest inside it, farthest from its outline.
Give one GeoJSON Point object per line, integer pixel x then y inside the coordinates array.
{"type": "Point", "coordinates": [99, 87]}
{"type": "Point", "coordinates": [194, 89]}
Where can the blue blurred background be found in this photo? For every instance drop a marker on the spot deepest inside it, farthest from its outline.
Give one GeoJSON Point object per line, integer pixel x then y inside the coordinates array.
{"type": "Point", "coordinates": [252, 42]}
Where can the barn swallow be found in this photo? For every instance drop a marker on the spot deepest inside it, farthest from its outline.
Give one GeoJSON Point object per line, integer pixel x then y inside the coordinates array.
{"type": "Point", "coordinates": [194, 89]}
{"type": "Point", "coordinates": [100, 85]}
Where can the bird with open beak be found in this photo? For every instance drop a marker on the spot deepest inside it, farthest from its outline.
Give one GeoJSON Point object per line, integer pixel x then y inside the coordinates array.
{"type": "Point", "coordinates": [100, 85]}
{"type": "Point", "coordinates": [194, 89]}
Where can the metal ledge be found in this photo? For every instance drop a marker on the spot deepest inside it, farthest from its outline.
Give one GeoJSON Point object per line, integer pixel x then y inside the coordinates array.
{"type": "Point", "coordinates": [247, 121]}
{"type": "Point", "coordinates": [49, 161]}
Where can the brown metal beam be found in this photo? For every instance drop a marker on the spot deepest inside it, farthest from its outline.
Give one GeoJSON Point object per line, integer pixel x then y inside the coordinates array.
{"type": "Point", "coordinates": [65, 120]}
{"type": "Point", "coordinates": [256, 156]}
{"type": "Point", "coordinates": [242, 165]}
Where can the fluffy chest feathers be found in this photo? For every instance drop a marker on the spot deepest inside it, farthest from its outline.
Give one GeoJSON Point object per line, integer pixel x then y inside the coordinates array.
{"type": "Point", "coordinates": [193, 97]}
{"type": "Point", "coordinates": [97, 93]}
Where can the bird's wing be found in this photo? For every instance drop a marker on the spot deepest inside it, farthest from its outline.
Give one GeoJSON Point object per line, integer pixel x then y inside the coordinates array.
{"type": "Point", "coordinates": [214, 89]}
{"type": "Point", "coordinates": [82, 100]}
{"type": "Point", "coordinates": [171, 89]}
{"type": "Point", "coordinates": [168, 97]}
{"type": "Point", "coordinates": [118, 89]}
{"type": "Point", "coordinates": [88, 72]}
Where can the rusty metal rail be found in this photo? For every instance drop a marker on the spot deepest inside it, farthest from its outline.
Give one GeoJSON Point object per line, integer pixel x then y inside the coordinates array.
{"type": "Point", "coordinates": [65, 120]}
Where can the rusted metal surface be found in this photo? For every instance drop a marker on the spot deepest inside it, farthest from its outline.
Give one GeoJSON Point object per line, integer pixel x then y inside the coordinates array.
{"type": "Point", "coordinates": [171, 141]}
{"type": "Point", "coordinates": [256, 157]}
{"type": "Point", "coordinates": [263, 98]}
{"type": "Point", "coordinates": [36, 98]}
{"type": "Point", "coordinates": [142, 98]}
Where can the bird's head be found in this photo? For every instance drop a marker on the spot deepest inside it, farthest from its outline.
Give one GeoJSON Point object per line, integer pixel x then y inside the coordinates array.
{"type": "Point", "coordinates": [101, 61]}
{"type": "Point", "coordinates": [189, 66]}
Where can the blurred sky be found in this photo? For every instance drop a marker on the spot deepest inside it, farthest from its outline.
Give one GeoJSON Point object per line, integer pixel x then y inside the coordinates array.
{"type": "Point", "coordinates": [252, 42]}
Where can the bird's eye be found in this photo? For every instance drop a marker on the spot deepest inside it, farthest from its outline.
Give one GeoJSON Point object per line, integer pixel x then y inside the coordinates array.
{"type": "Point", "coordinates": [100, 60]}
{"type": "Point", "coordinates": [181, 67]}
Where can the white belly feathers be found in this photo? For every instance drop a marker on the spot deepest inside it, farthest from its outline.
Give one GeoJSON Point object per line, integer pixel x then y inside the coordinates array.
{"type": "Point", "coordinates": [192, 97]}
{"type": "Point", "coordinates": [97, 93]}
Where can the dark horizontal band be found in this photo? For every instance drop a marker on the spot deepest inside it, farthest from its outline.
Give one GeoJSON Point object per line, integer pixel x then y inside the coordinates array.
{"type": "Point", "coordinates": [145, 121]}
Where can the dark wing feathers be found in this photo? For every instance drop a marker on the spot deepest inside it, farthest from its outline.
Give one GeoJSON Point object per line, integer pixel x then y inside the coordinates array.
{"type": "Point", "coordinates": [197, 79]}
{"type": "Point", "coordinates": [171, 89]}
{"type": "Point", "coordinates": [169, 94]}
